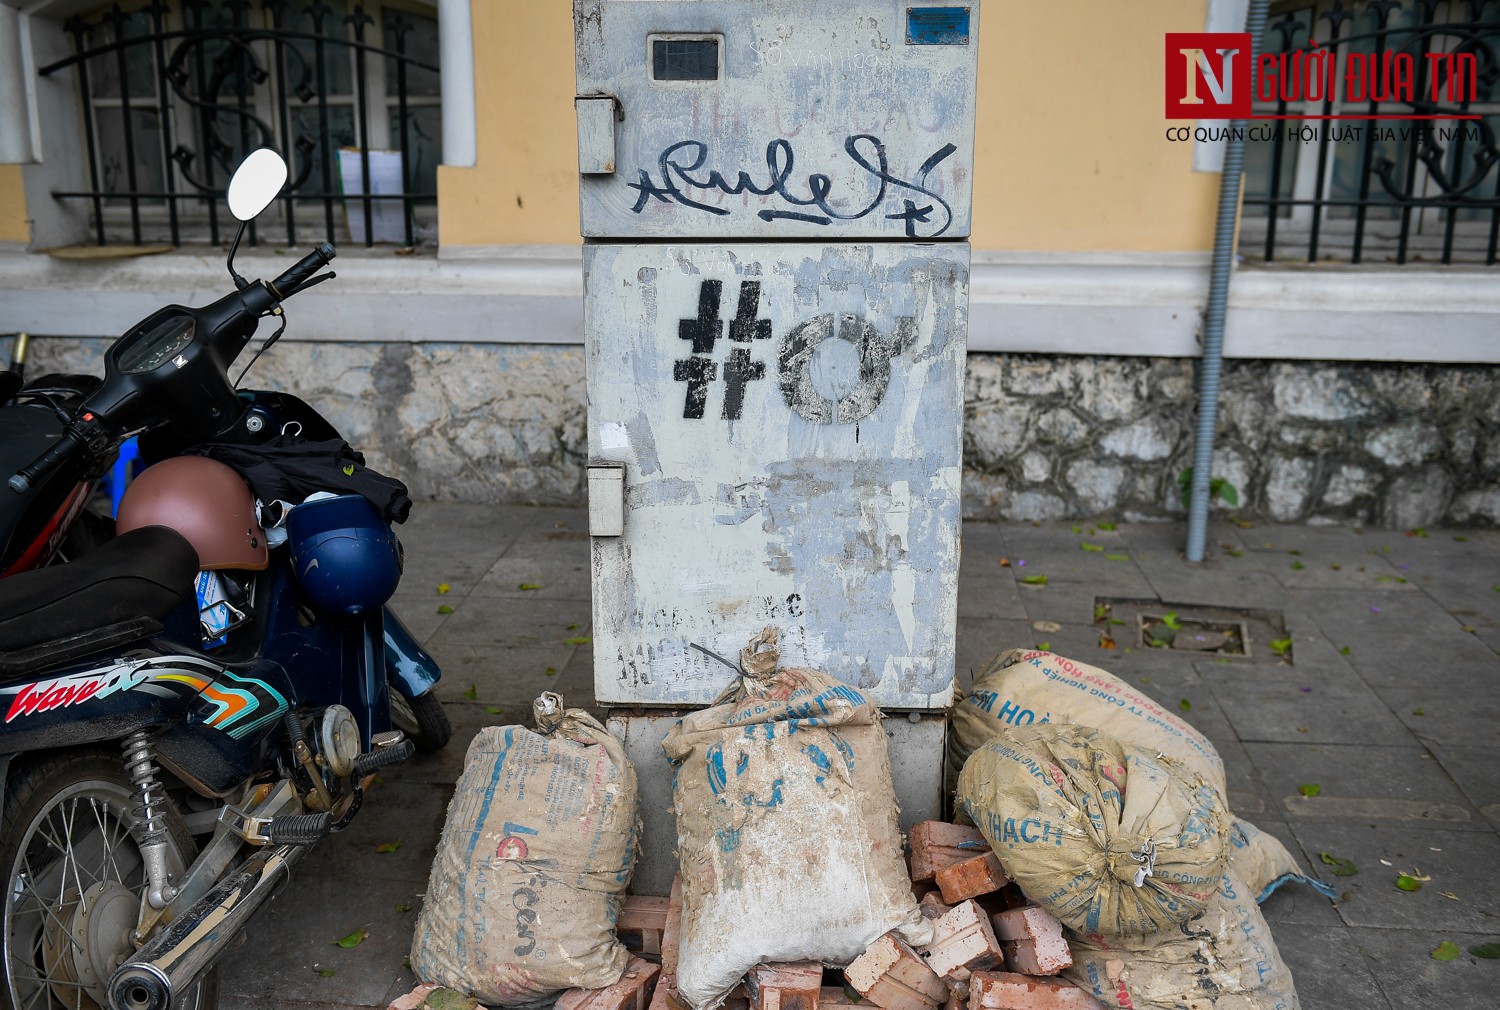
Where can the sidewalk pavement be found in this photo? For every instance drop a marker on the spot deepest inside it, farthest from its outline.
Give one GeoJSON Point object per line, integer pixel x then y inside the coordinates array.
{"type": "Point", "coordinates": [1389, 705]}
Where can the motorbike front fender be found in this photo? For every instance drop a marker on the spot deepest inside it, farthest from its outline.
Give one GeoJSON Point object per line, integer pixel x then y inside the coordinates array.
{"type": "Point", "coordinates": [411, 670]}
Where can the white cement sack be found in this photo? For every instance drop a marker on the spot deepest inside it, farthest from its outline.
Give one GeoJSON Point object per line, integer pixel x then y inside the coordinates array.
{"type": "Point", "coordinates": [1222, 960]}
{"type": "Point", "coordinates": [1026, 686]}
{"type": "Point", "coordinates": [538, 846]}
{"type": "Point", "coordinates": [787, 828]}
{"type": "Point", "coordinates": [1263, 863]}
{"type": "Point", "coordinates": [1103, 835]}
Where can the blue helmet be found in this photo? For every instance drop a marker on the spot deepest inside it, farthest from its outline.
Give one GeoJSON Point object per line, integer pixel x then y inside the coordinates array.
{"type": "Point", "coordinates": [344, 555]}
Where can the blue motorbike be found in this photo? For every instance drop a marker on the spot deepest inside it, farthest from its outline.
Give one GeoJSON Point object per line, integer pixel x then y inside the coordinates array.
{"type": "Point", "coordinates": [186, 707]}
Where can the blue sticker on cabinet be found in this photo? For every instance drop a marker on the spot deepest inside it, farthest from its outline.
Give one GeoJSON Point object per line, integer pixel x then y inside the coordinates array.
{"type": "Point", "coordinates": [937, 26]}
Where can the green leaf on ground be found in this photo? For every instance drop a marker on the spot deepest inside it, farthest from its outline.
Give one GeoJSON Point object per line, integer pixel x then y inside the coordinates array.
{"type": "Point", "coordinates": [527, 587]}
{"type": "Point", "coordinates": [324, 972]}
{"type": "Point", "coordinates": [472, 694]}
{"type": "Point", "coordinates": [573, 626]}
{"type": "Point", "coordinates": [443, 588]}
{"type": "Point", "coordinates": [1117, 557]}
{"type": "Point", "coordinates": [1159, 643]}
{"type": "Point", "coordinates": [1281, 646]}
{"type": "Point", "coordinates": [400, 907]}
{"type": "Point", "coordinates": [1115, 620]}
{"type": "Point", "coordinates": [1418, 711]}
{"type": "Point", "coordinates": [1309, 789]}
{"type": "Point", "coordinates": [1101, 611]}
{"type": "Point", "coordinates": [1447, 950]}
{"type": "Point", "coordinates": [1335, 567]}
{"type": "Point", "coordinates": [1035, 580]}
{"type": "Point", "coordinates": [1093, 548]}
{"type": "Point", "coordinates": [1077, 529]}
{"type": "Point", "coordinates": [354, 939]}
{"type": "Point", "coordinates": [1171, 621]}
{"type": "Point", "coordinates": [1344, 650]}
{"type": "Point", "coordinates": [1223, 659]}
{"type": "Point", "coordinates": [385, 847]}
{"type": "Point", "coordinates": [1107, 527]}
{"type": "Point", "coordinates": [1488, 951]}
{"type": "Point", "coordinates": [1185, 705]}
{"type": "Point", "coordinates": [445, 609]}
{"type": "Point", "coordinates": [579, 640]}
{"type": "Point", "coordinates": [1235, 554]}
{"type": "Point", "coordinates": [494, 710]}
{"type": "Point", "coordinates": [1044, 646]}
{"type": "Point", "coordinates": [551, 671]}
{"type": "Point", "coordinates": [1294, 552]}
{"type": "Point", "coordinates": [1341, 867]}
{"type": "Point", "coordinates": [1469, 628]}
{"type": "Point", "coordinates": [1418, 532]}
{"type": "Point", "coordinates": [1462, 540]}
{"type": "Point", "coordinates": [1406, 882]}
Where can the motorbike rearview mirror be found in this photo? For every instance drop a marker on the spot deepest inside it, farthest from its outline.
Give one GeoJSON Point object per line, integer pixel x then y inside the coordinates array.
{"type": "Point", "coordinates": [255, 183]}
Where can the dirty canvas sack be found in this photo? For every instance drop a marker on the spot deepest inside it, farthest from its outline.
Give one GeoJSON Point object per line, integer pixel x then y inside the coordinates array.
{"type": "Point", "coordinates": [538, 846]}
{"type": "Point", "coordinates": [1103, 835]}
{"type": "Point", "coordinates": [1026, 686]}
{"type": "Point", "coordinates": [1223, 960]}
{"type": "Point", "coordinates": [1264, 863]}
{"type": "Point", "coordinates": [787, 828]}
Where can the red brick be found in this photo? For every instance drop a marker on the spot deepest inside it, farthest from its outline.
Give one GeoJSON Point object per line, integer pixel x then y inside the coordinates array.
{"type": "Point", "coordinates": [936, 845]}
{"type": "Point", "coordinates": [1003, 990]}
{"type": "Point", "coordinates": [415, 998]}
{"type": "Point", "coordinates": [962, 939]}
{"type": "Point", "coordinates": [1032, 941]}
{"type": "Point", "coordinates": [665, 997]}
{"type": "Point", "coordinates": [632, 992]}
{"type": "Point", "coordinates": [839, 996]}
{"type": "Point", "coordinates": [785, 985]}
{"type": "Point", "coordinates": [970, 878]}
{"type": "Point", "coordinates": [642, 920]}
{"type": "Point", "coordinates": [894, 976]}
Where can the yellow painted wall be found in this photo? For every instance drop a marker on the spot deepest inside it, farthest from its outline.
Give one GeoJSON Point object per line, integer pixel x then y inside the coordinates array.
{"type": "Point", "coordinates": [1070, 148]}
{"type": "Point", "coordinates": [14, 226]}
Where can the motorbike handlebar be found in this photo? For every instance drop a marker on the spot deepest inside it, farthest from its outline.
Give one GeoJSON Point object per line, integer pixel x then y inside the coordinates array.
{"type": "Point", "coordinates": [287, 284]}
{"type": "Point", "coordinates": [67, 447]}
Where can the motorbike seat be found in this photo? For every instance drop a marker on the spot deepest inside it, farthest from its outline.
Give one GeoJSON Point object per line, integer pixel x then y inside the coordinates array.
{"type": "Point", "coordinates": [145, 573]}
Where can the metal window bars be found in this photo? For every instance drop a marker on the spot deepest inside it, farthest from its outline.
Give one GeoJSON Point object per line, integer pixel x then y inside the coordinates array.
{"type": "Point", "coordinates": [1402, 190]}
{"type": "Point", "coordinates": [241, 86]}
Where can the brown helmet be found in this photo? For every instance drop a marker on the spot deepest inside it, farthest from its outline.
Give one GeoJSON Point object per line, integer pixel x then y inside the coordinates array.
{"type": "Point", "coordinates": [205, 501]}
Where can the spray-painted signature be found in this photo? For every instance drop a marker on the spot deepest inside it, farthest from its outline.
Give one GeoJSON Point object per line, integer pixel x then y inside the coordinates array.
{"type": "Point", "coordinates": [681, 168]}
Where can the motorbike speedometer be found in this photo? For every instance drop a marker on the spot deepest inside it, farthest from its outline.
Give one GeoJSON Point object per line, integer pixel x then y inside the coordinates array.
{"type": "Point", "coordinates": [158, 345]}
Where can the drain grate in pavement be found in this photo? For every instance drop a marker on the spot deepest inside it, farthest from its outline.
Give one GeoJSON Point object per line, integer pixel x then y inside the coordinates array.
{"type": "Point", "coordinates": [1220, 632]}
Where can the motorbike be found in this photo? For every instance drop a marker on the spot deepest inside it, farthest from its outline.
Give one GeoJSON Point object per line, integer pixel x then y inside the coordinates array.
{"type": "Point", "coordinates": [187, 709]}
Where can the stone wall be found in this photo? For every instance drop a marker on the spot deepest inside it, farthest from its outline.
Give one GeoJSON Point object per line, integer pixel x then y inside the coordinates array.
{"type": "Point", "coordinates": [1046, 437]}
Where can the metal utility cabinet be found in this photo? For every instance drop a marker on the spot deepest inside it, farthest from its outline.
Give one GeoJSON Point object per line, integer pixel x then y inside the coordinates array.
{"type": "Point", "coordinates": [775, 201]}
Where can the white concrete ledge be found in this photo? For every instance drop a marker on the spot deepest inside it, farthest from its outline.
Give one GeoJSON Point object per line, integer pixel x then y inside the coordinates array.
{"type": "Point", "coordinates": [1049, 303]}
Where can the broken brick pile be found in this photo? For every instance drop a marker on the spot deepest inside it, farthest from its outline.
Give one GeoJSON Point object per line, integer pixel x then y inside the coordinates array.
{"type": "Point", "coordinates": [991, 949]}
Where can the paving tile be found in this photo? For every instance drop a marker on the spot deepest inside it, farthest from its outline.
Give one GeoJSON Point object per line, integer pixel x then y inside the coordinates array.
{"type": "Point", "coordinates": [992, 595]}
{"type": "Point", "coordinates": [420, 612]}
{"type": "Point", "coordinates": [509, 678]}
{"type": "Point", "coordinates": [1477, 772]}
{"type": "Point", "coordinates": [408, 814]}
{"type": "Point", "coordinates": [1401, 961]}
{"type": "Point", "coordinates": [515, 623]}
{"type": "Point", "coordinates": [1178, 582]}
{"type": "Point", "coordinates": [552, 578]}
{"type": "Point", "coordinates": [455, 544]}
{"type": "Point", "coordinates": [1296, 904]}
{"type": "Point", "coordinates": [1328, 969]}
{"type": "Point", "coordinates": [1452, 712]}
{"type": "Point", "coordinates": [1363, 783]}
{"type": "Point", "coordinates": [1280, 711]}
{"type": "Point", "coordinates": [1462, 862]}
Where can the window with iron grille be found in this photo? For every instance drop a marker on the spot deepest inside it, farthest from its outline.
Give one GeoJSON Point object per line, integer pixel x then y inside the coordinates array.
{"type": "Point", "coordinates": [173, 95]}
{"type": "Point", "coordinates": [1384, 190]}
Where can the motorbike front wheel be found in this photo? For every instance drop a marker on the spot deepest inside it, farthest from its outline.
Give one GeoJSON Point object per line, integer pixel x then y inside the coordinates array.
{"type": "Point", "coordinates": [76, 881]}
{"type": "Point", "coordinates": [422, 719]}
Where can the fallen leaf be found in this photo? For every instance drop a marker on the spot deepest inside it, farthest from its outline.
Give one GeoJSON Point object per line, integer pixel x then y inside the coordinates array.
{"type": "Point", "coordinates": [494, 710]}
{"type": "Point", "coordinates": [573, 626]}
{"type": "Point", "coordinates": [445, 609]}
{"type": "Point", "coordinates": [1044, 646]}
{"type": "Point", "coordinates": [443, 588]}
{"type": "Point", "coordinates": [1449, 895]}
{"type": "Point", "coordinates": [1344, 650]}
{"type": "Point", "coordinates": [1093, 548]}
{"type": "Point", "coordinates": [1101, 611]}
{"type": "Point", "coordinates": [1223, 659]}
{"type": "Point", "coordinates": [1235, 554]}
{"type": "Point", "coordinates": [1418, 532]}
{"type": "Point", "coordinates": [1418, 711]}
{"type": "Point", "coordinates": [1115, 620]}
{"type": "Point", "coordinates": [1341, 867]}
{"type": "Point", "coordinates": [354, 939]}
{"type": "Point", "coordinates": [1335, 566]}
{"type": "Point", "coordinates": [1462, 540]}
{"type": "Point", "coordinates": [1446, 951]}
{"type": "Point", "coordinates": [1077, 529]}
{"type": "Point", "coordinates": [1048, 627]}
{"type": "Point", "coordinates": [1107, 527]}
{"type": "Point", "coordinates": [1309, 789]}
{"type": "Point", "coordinates": [1144, 680]}
{"type": "Point", "coordinates": [472, 694]}
{"type": "Point", "coordinates": [1281, 646]}
{"type": "Point", "coordinates": [1468, 628]}
{"type": "Point", "coordinates": [1386, 862]}
{"type": "Point", "coordinates": [1171, 621]}
{"type": "Point", "coordinates": [1303, 729]}
{"type": "Point", "coordinates": [580, 640]}
{"type": "Point", "coordinates": [1244, 524]}
{"type": "Point", "coordinates": [1488, 951]}
{"type": "Point", "coordinates": [1406, 882]}
{"type": "Point", "coordinates": [1035, 580]}
{"type": "Point", "coordinates": [1105, 642]}
{"type": "Point", "coordinates": [1297, 566]}
{"type": "Point", "coordinates": [527, 587]}
{"type": "Point", "coordinates": [385, 847]}
{"type": "Point", "coordinates": [325, 972]}
{"type": "Point", "coordinates": [402, 907]}
{"type": "Point", "coordinates": [1005, 562]}
{"type": "Point", "coordinates": [1117, 557]}
{"type": "Point", "coordinates": [551, 671]}
{"type": "Point", "coordinates": [1185, 705]}
{"type": "Point", "coordinates": [1294, 552]}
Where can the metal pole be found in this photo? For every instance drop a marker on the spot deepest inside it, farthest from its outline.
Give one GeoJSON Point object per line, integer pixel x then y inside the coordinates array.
{"type": "Point", "coordinates": [1218, 300]}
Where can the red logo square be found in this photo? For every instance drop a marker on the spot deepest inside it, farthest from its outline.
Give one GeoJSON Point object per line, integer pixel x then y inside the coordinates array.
{"type": "Point", "coordinates": [1208, 75]}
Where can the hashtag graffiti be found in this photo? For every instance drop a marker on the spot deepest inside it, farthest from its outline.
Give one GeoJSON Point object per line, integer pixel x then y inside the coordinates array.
{"type": "Point", "coordinates": [703, 332]}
